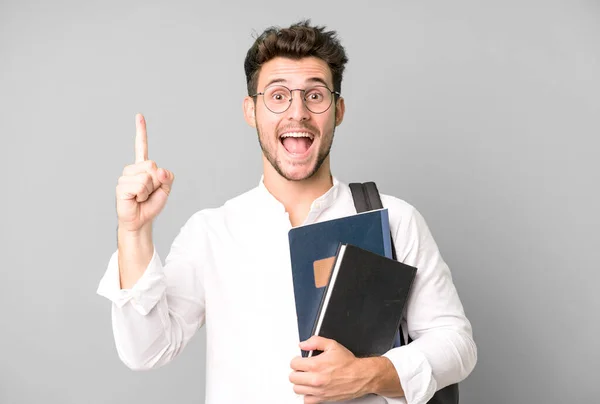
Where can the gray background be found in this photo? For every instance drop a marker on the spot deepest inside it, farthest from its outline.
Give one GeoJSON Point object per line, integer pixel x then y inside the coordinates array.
{"type": "Point", "coordinates": [484, 115]}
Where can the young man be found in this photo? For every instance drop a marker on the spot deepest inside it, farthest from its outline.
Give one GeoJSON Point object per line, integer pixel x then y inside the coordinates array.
{"type": "Point", "coordinates": [229, 268]}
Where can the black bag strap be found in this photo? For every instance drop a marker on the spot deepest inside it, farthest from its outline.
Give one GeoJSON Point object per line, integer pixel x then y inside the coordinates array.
{"type": "Point", "coordinates": [366, 197]}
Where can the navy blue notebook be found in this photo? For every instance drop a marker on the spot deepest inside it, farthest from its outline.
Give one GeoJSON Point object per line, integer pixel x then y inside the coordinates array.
{"type": "Point", "coordinates": [313, 248]}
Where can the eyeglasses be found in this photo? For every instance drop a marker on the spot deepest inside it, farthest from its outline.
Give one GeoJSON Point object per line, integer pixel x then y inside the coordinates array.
{"type": "Point", "coordinates": [278, 98]}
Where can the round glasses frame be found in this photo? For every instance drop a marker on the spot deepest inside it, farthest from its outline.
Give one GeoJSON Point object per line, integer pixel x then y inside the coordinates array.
{"type": "Point", "coordinates": [291, 92]}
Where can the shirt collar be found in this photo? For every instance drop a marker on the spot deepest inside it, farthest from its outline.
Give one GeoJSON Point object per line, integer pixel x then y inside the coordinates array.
{"type": "Point", "coordinates": [319, 204]}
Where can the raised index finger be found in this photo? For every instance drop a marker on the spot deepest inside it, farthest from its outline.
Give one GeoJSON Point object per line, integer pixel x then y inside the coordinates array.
{"type": "Point", "coordinates": [141, 139]}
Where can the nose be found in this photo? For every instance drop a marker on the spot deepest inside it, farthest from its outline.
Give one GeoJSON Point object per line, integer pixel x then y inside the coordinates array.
{"type": "Point", "coordinates": [297, 110]}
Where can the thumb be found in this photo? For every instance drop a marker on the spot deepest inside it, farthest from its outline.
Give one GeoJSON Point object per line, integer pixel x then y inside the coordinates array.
{"type": "Point", "coordinates": [166, 179]}
{"type": "Point", "coordinates": [317, 343]}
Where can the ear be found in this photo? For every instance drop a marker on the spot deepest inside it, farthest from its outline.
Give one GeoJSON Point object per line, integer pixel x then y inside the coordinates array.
{"type": "Point", "coordinates": [340, 108]}
{"type": "Point", "coordinates": [249, 111]}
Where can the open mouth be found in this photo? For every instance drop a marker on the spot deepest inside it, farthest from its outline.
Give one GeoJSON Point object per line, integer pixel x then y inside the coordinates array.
{"type": "Point", "coordinates": [297, 143]}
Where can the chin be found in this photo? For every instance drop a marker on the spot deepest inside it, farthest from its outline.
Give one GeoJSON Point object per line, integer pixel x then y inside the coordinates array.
{"type": "Point", "coordinates": [294, 168]}
{"type": "Point", "coordinates": [296, 175]}
{"type": "Point", "coordinates": [298, 171]}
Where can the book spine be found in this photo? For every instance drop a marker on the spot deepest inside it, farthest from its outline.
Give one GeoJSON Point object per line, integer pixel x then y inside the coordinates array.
{"type": "Point", "coordinates": [322, 303]}
{"type": "Point", "coordinates": [387, 240]}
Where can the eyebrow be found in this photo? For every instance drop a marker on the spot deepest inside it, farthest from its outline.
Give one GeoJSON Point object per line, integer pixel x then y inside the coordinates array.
{"type": "Point", "coordinates": [319, 80]}
{"type": "Point", "coordinates": [284, 81]}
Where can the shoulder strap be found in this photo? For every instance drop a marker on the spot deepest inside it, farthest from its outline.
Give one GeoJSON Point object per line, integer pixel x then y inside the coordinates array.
{"type": "Point", "coordinates": [359, 196]}
{"type": "Point", "coordinates": [366, 197]}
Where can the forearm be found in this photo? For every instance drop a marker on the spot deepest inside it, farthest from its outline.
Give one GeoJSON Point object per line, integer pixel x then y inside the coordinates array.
{"type": "Point", "coordinates": [144, 341]}
{"type": "Point", "coordinates": [135, 252]}
{"type": "Point", "coordinates": [151, 328]}
{"type": "Point", "coordinates": [451, 354]}
{"type": "Point", "coordinates": [382, 377]}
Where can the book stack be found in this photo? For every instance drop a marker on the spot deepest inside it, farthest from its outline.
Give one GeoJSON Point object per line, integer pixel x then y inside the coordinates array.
{"type": "Point", "coordinates": [347, 287]}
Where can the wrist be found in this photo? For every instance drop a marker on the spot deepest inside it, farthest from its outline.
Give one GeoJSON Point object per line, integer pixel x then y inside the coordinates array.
{"type": "Point", "coordinates": [143, 234]}
{"type": "Point", "coordinates": [382, 377]}
{"type": "Point", "coordinates": [371, 368]}
{"type": "Point", "coordinates": [135, 252]}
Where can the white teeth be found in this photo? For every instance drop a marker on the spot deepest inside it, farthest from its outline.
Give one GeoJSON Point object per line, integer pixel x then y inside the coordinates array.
{"type": "Point", "coordinates": [297, 134]}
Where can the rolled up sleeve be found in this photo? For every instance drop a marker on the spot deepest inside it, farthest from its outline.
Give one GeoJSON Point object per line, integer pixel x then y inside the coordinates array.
{"type": "Point", "coordinates": [154, 320]}
{"type": "Point", "coordinates": [146, 292]}
{"type": "Point", "coordinates": [443, 351]}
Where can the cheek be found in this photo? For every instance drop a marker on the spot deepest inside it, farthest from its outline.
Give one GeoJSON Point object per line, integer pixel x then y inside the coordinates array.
{"type": "Point", "coordinates": [327, 124]}
{"type": "Point", "coordinates": [267, 128]}
{"type": "Point", "coordinates": [266, 121]}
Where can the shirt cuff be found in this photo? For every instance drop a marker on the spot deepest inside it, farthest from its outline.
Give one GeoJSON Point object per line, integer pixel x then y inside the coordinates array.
{"type": "Point", "coordinates": [146, 292]}
{"type": "Point", "coordinates": [415, 374]}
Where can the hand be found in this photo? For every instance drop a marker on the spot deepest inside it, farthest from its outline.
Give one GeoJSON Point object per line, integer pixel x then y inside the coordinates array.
{"type": "Point", "coordinates": [143, 188]}
{"type": "Point", "coordinates": [334, 375]}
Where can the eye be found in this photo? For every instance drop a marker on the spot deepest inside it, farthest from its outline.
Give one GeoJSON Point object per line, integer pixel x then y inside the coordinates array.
{"type": "Point", "coordinates": [278, 95]}
{"type": "Point", "coordinates": [315, 95]}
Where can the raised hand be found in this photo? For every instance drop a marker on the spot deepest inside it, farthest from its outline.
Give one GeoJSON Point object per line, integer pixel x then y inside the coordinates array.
{"type": "Point", "coordinates": [143, 188]}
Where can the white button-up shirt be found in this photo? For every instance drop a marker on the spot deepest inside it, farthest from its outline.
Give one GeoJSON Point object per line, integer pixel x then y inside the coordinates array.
{"type": "Point", "coordinates": [229, 268]}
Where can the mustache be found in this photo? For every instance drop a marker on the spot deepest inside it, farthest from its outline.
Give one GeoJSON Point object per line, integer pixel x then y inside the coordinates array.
{"type": "Point", "coordinates": [298, 128]}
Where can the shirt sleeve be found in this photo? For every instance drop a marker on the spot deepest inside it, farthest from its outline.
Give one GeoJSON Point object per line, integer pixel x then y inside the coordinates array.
{"type": "Point", "coordinates": [154, 320]}
{"type": "Point", "coordinates": [443, 351]}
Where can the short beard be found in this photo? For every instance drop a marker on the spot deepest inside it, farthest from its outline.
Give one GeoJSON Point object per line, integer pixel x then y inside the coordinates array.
{"type": "Point", "coordinates": [276, 164]}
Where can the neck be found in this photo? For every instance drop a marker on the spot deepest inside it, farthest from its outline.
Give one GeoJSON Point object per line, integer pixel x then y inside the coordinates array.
{"type": "Point", "coordinates": [297, 196]}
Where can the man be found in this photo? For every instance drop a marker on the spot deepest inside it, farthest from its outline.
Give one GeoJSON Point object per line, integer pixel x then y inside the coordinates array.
{"type": "Point", "coordinates": [229, 268]}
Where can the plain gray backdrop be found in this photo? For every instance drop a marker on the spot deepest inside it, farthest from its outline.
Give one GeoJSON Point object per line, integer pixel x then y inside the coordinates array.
{"type": "Point", "coordinates": [485, 115]}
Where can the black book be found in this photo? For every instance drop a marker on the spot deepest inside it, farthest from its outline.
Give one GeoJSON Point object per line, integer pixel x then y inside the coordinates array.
{"type": "Point", "coordinates": [363, 302]}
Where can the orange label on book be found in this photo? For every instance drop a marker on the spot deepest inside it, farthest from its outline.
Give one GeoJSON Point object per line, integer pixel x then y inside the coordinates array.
{"type": "Point", "coordinates": [322, 269]}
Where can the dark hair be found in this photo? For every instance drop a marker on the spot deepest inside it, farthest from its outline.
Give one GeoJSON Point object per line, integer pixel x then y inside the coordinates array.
{"type": "Point", "coordinates": [298, 41]}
